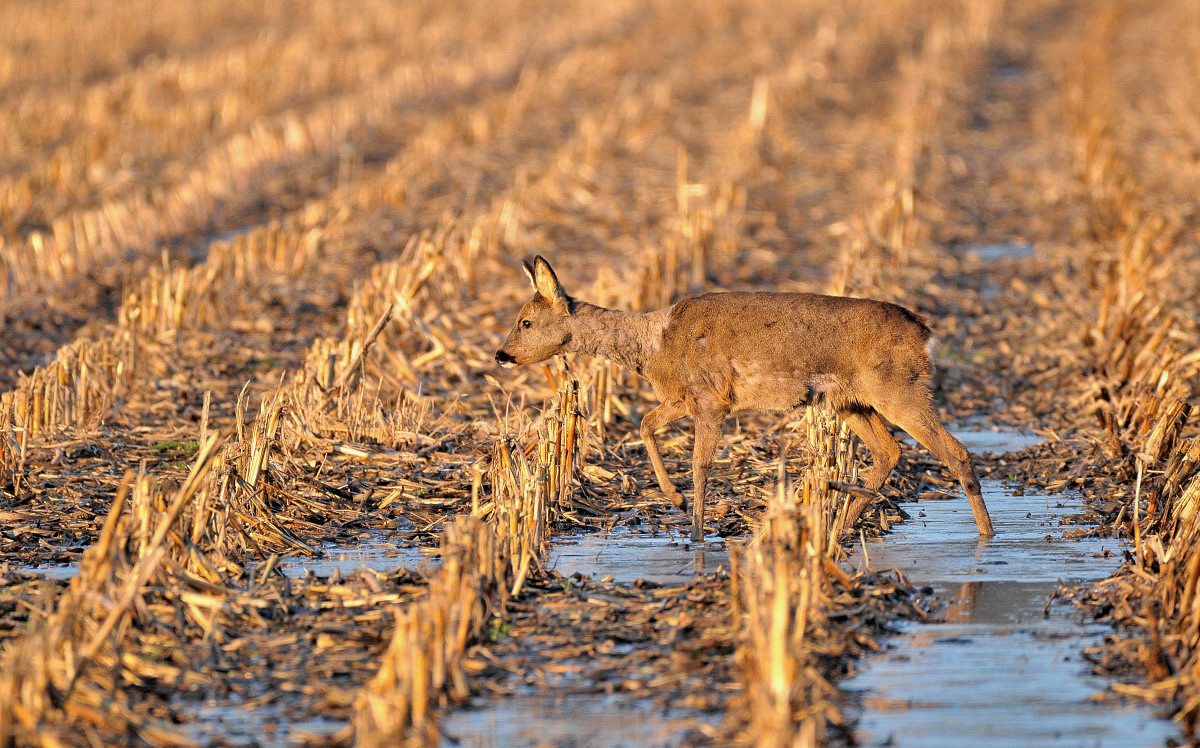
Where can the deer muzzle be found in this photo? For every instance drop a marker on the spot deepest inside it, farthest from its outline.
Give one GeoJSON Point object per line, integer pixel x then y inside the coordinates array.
{"type": "Point", "coordinates": [505, 359]}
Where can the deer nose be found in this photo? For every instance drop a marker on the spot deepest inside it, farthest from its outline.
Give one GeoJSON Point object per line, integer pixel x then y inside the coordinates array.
{"type": "Point", "coordinates": [503, 357]}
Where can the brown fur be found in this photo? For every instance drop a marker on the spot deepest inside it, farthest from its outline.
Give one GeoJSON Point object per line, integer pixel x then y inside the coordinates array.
{"type": "Point", "coordinates": [712, 355]}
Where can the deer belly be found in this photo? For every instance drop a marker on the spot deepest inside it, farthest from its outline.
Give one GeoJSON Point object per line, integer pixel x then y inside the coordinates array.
{"type": "Point", "coordinates": [776, 393]}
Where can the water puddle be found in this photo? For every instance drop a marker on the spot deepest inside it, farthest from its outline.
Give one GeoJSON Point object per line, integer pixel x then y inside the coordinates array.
{"type": "Point", "coordinates": [1000, 251]}
{"type": "Point", "coordinates": [997, 442]}
{"type": "Point", "coordinates": [57, 573]}
{"type": "Point", "coordinates": [1005, 667]}
{"type": "Point", "coordinates": [628, 557]}
{"type": "Point", "coordinates": [575, 720]}
{"type": "Point", "coordinates": [378, 551]}
{"type": "Point", "coordinates": [261, 725]}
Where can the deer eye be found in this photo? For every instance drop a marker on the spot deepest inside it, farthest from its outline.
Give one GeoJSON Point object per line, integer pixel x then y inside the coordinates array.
{"type": "Point", "coordinates": [526, 324]}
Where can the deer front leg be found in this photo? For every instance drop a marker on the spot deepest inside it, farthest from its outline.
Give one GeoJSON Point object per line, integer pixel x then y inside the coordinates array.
{"type": "Point", "coordinates": [708, 433]}
{"type": "Point", "coordinates": [663, 415]}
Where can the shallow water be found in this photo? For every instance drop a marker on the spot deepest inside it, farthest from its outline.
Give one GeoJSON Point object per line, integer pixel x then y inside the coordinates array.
{"type": "Point", "coordinates": [574, 720]}
{"type": "Point", "coordinates": [628, 557]}
{"type": "Point", "coordinates": [996, 442]}
{"type": "Point", "coordinates": [379, 551]}
{"type": "Point", "coordinates": [263, 725]}
{"type": "Point", "coordinates": [61, 571]}
{"type": "Point", "coordinates": [1000, 251]}
{"type": "Point", "coordinates": [1004, 668]}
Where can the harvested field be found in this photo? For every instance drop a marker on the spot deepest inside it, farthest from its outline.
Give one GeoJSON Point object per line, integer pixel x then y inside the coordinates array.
{"type": "Point", "coordinates": [262, 481]}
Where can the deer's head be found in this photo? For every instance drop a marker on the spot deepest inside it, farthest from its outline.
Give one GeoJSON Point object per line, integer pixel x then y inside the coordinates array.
{"type": "Point", "coordinates": [542, 328]}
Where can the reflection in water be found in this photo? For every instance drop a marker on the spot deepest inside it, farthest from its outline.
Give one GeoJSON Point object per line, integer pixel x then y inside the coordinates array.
{"type": "Point", "coordinates": [1002, 669]}
{"type": "Point", "coordinates": [962, 606]}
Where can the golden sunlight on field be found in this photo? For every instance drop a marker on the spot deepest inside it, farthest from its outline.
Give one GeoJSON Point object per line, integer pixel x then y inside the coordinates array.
{"type": "Point", "coordinates": [263, 482]}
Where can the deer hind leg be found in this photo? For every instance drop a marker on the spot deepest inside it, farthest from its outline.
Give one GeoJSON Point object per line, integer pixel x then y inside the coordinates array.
{"type": "Point", "coordinates": [885, 452]}
{"type": "Point", "coordinates": [708, 433]}
{"type": "Point", "coordinates": [664, 415]}
{"type": "Point", "coordinates": [912, 410]}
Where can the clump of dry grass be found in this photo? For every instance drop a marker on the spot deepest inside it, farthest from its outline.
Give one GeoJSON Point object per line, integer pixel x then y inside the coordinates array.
{"type": "Point", "coordinates": [244, 515]}
{"type": "Point", "coordinates": [73, 389]}
{"type": "Point", "coordinates": [531, 485]}
{"type": "Point", "coordinates": [10, 451]}
{"type": "Point", "coordinates": [559, 444]}
{"type": "Point", "coordinates": [778, 580]}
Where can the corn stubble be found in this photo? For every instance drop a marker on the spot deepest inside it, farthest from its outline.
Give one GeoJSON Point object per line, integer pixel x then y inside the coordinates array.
{"type": "Point", "coordinates": [1140, 375]}
{"type": "Point", "coordinates": [781, 588]}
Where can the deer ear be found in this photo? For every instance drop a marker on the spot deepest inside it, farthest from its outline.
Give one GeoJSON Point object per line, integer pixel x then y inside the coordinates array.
{"type": "Point", "coordinates": [528, 268]}
{"type": "Point", "coordinates": [546, 283]}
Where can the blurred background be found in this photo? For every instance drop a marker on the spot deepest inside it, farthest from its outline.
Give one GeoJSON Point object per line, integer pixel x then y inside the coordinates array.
{"type": "Point", "coordinates": [794, 123]}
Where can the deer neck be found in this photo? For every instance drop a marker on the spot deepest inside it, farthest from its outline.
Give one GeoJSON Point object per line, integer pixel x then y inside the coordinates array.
{"type": "Point", "coordinates": [624, 338]}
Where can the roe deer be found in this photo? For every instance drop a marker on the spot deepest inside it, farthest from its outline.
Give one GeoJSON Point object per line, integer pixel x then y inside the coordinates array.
{"type": "Point", "coordinates": [720, 353]}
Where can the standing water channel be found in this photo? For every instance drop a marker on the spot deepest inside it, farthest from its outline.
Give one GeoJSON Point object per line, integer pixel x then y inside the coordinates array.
{"type": "Point", "coordinates": [1004, 666]}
